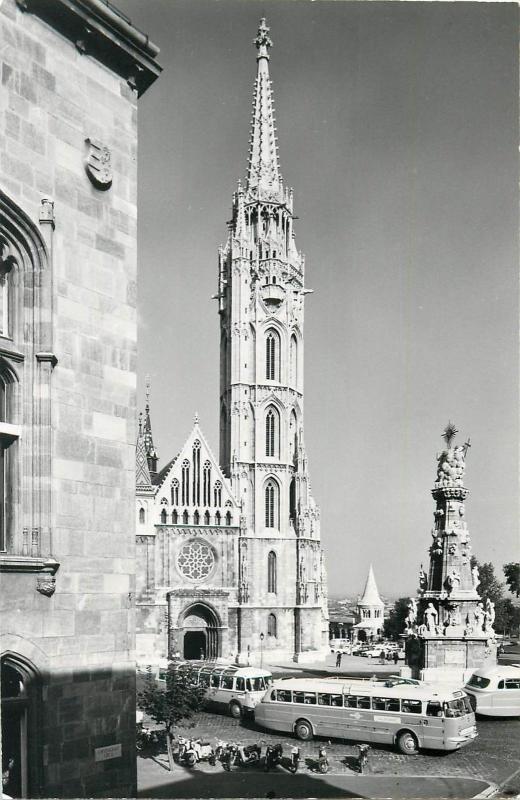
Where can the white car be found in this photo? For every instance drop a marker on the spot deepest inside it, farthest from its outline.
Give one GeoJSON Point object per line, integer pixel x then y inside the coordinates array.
{"type": "Point", "coordinates": [495, 691]}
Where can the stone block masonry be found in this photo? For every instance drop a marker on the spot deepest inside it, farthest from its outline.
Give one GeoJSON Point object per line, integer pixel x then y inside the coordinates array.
{"type": "Point", "coordinates": [68, 132]}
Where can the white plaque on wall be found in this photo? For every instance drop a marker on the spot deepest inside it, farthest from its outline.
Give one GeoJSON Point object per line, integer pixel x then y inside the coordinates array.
{"type": "Point", "coordinates": [106, 753]}
{"type": "Point", "coordinates": [454, 657]}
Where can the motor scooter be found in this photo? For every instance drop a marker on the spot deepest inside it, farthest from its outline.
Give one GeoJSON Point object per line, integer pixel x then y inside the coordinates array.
{"type": "Point", "coordinates": [227, 755]}
{"type": "Point", "coordinates": [323, 761]}
{"type": "Point", "coordinates": [273, 756]}
{"type": "Point", "coordinates": [295, 759]}
{"type": "Point", "coordinates": [204, 751]}
{"type": "Point", "coordinates": [362, 760]}
{"type": "Point", "coordinates": [189, 754]}
{"type": "Point", "coordinates": [248, 755]}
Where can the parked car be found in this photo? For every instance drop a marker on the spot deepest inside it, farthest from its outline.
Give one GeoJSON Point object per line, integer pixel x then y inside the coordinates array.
{"type": "Point", "coordinates": [495, 691]}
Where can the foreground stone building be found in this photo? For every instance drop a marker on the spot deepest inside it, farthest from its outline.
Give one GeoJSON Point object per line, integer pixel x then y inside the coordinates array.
{"type": "Point", "coordinates": [71, 75]}
{"type": "Point", "coordinates": [229, 552]}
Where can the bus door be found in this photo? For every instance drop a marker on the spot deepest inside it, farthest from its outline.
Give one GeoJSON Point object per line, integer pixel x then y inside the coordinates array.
{"type": "Point", "coordinates": [386, 718]}
{"type": "Point", "coordinates": [358, 717]}
{"type": "Point", "coordinates": [433, 725]}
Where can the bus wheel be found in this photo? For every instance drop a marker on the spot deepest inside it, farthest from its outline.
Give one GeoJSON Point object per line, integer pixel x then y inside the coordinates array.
{"type": "Point", "coordinates": [407, 743]}
{"type": "Point", "coordinates": [303, 730]}
{"type": "Point", "coordinates": [235, 710]}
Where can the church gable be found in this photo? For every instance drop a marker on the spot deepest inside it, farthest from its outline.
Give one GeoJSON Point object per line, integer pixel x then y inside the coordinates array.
{"type": "Point", "coordinates": [193, 489]}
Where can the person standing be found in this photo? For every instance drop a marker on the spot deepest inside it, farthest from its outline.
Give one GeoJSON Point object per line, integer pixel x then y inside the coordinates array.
{"type": "Point", "coordinates": [338, 659]}
{"type": "Point", "coordinates": [395, 657]}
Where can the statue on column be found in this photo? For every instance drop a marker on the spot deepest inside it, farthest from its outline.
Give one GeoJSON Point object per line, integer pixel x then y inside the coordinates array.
{"type": "Point", "coordinates": [489, 616]}
{"type": "Point", "coordinates": [430, 618]}
{"type": "Point", "coordinates": [411, 617]}
{"type": "Point", "coordinates": [479, 615]}
{"type": "Point", "coordinates": [475, 579]}
{"type": "Point", "coordinates": [453, 581]}
{"type": "Point", "coordinates": [423, 580]}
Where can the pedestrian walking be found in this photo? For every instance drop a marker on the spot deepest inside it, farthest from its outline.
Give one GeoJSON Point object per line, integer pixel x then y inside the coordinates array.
{"type": "Point", "coordinates": [382, 656]}
{"type": "Point", "coordinates": [395, 656]}
{"type": "Point", "coordinates": [338, 659]}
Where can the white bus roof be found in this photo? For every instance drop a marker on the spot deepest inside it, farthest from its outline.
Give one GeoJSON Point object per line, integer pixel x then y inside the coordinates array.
{"type": "Point", "coordinates": [424, 691]}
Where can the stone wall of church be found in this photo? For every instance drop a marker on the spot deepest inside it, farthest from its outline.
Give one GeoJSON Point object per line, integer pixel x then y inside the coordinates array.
{"type": "Point", "coordinates": [79, 641]}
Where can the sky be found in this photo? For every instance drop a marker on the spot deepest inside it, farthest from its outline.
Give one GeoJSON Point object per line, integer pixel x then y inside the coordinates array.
{"type": "Point", "coordinates": [397, 129]}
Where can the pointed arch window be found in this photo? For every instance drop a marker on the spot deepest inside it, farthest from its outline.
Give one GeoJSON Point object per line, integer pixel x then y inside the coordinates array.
{"type": "Point", "coordinates": [206, 518]}
{"type": "Point", "coordinates": [196, 518]}
{"type": "Point", "coordinates": [206, 484]}
{"type": "Point", "coordinates": [293, 361]}
{"type": "Point", "coordinates": [272, 433]}
{"type": "Point", "coordinates": [228, 518]}
{"type": "Point", "coordinates": [141, 516]}
{"type": "Point", "coordinates": [185, 517]}
{"type": "Point", "coordinates": [271, 572]}
{"type": "Point", "coordinates": [217, 518]}
{"type": "Point", "coordinates": [175, 517]}
{"type": "Point", "coordinates": [272, 503]}
{"type": "Point", "coordinates": [175, 492]}
{"type": "Point", "coordinates": [196, 473]}
{"type": "Point", "coordinates": [8, 455]}
{"type": "Point", "coordinates": [217, 494]}
{"type": "Point", "coordinates": [271, 626]}
{"type": "Point", "coordinates": [185, 477]}
{"type": "Point", "coordinates": [163, 517]}
{"type": "Point", "coordinates": [272, 356]}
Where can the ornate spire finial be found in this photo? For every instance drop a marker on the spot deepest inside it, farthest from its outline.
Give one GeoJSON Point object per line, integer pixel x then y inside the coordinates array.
{"type": "Point", "coordinates": [466, 446]}
{"type": "Point", "coordinates": [148, 384]}
{"type": "Point", "coordinates": [449, 433]}
{"type": "Point", "coordinates": [196, 418]}
{"type": "Point", "coordinates": [263, 41]}
{"type": "Point", "coordinates": [262, 170]}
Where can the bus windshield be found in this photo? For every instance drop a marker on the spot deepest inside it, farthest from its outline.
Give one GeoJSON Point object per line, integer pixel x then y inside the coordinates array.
{"type": "Point", "coordinates": [457, 708]}
{"type": "Point", "coordinates": [258, 684]}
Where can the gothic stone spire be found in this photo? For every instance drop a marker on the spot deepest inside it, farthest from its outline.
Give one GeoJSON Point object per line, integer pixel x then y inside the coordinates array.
{"type": "Point", "coordinates": [149, 447]}
{"type": "Point", "coordinates": [262, 171]}
{"type": "Point", "coordinates": [142, 472]}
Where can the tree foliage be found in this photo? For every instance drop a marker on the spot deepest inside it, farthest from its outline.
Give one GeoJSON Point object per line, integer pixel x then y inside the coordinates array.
{"type": "Point", "coordinates": [512, 573]}
{"type": "Point", "coordinates": [175, 702]}
{"type": "Point", "coordinates": [394, 623]}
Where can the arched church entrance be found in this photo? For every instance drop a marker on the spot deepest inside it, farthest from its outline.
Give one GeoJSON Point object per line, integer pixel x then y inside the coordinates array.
{"type": "Point", "coordinates": [200, 632]}
{"type": "Point", "coordinates": [19, 739]}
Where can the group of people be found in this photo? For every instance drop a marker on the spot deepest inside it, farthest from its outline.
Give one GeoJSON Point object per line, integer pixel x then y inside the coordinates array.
{"type": "Point", "coordinates": [382, 657]}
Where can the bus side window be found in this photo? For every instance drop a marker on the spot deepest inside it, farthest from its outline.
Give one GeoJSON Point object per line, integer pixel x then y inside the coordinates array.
{"type": "Point", "coordinates": [411, 706]}
{"type": "Point", "coordinates": [204, 679]}
{"type": "Point", "coordinates": [273, 695]}
{"type": "Point", "coordinates": [433, 709]}
{"type": "Point", "coordinates": [310, 698]}
{"type": "Point", "coordinates": [378, 703]}
{"type": "Point", "coordinates": [363, 702]}
{"type": "Point", "coordinates": [248, 685]}
{"type": "Point", "coordinates": [324, 699]}
{"type": "Point", "coordinates": [241, 684]}
{"type": "Point", "coordinates": [215, 681]}
{"type": "Point", "coordinates": [284, 695]}
{"type": "Point", "coordinates": [392, 704]}
{"type": "Point", "coordinates": [298, 697]}
{"type": "Point", "coordinates": [350, 701]}
{"type": "Point", "coordinates": [227, 682]}
{"type": "Point", "coordinates": [336, 700]}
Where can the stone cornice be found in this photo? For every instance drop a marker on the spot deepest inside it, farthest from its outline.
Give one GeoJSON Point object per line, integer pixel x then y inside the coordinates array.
{"type": "Point", "coordinates": [99, 30]}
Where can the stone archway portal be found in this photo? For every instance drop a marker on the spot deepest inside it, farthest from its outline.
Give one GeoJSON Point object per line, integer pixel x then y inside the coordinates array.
{"type": "Point", "coordinates": [200, 633]}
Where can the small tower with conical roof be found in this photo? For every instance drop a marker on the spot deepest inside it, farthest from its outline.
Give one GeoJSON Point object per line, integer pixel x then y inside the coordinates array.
{"type": "Point", "coordinates": [370, 611]}
{"type": "Point", "coordinates": [450, 627]}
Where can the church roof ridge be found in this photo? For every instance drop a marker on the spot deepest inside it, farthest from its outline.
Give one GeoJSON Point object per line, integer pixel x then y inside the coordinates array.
{"type": "Point", "coordinates": [370, 593]}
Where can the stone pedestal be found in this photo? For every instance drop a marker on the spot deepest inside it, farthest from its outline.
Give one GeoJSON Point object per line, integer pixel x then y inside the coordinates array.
{"type": "Point", "coordinates": [447, 659]}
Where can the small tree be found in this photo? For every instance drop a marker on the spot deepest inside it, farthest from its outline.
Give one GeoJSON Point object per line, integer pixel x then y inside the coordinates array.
{"type": "Point", "coordinates": [394, 623]}
{"type": "Point", "coordinates": [512, 573]}
{"type": "Point", "coordinates": [176, 702]}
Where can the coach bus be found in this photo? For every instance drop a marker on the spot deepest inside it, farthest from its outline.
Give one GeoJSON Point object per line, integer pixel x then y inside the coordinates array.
{"type": "Point", "coordinates": [238, 688]}
{"type": "Point", "coordinates": [384, 712]}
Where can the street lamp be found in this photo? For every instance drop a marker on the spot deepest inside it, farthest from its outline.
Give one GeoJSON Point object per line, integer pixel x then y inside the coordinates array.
{"type": "Point", "coordinates": [262, 649]}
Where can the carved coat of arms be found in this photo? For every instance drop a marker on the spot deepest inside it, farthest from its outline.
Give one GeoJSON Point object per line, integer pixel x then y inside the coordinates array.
{"type": "Point", "coordinates": [98, 164]}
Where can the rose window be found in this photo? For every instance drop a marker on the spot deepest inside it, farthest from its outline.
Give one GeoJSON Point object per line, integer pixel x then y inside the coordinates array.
{"type": "Point", "coordinates": [196, 560]}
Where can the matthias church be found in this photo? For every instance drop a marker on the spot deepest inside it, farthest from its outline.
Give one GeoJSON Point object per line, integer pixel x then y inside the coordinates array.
{"type": "Point", "coordinates": [229, 557]}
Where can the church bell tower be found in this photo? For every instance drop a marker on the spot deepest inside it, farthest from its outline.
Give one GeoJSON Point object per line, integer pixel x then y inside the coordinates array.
{"type": "Point", "coordinates": [261, 293]}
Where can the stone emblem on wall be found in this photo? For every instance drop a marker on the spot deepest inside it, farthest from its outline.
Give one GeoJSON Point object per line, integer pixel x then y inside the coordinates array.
{"type": "Point", "coordinates": [98, 164]}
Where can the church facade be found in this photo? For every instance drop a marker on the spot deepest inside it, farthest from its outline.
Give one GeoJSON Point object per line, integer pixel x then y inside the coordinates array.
{"type": "Point", "coordinates": [229, 550]}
